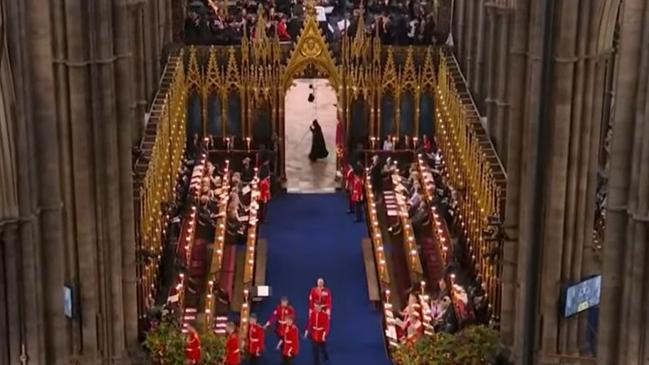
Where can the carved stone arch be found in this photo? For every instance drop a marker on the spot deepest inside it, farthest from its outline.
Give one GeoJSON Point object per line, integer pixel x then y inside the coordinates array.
{"type": "Point", "coordinates": [312, 49]}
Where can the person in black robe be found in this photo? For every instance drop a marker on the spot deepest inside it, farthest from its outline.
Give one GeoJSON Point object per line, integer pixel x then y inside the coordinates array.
{"type": "Point", "coordinates": [318, 147]}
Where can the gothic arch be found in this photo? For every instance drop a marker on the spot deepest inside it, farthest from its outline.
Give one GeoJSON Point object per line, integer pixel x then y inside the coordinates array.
{"type": "Point", "coordinates": [311, 49]}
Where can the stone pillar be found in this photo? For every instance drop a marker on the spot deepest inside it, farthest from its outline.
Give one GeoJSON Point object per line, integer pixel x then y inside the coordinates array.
{"type": "Point", "coordinates": [623, 331]}
{"type": "Point", "coordinates": [11, 298]}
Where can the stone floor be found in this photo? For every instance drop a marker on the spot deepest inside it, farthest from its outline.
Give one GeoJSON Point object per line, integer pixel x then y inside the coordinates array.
{"type": "Point", "coordinates": [304, 176]}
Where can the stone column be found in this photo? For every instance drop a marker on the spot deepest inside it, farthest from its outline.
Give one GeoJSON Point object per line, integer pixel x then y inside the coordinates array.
{"type": "Point", "coordinates": [124, 83]}
{"type": "Point", "coordinates": [623, 331]}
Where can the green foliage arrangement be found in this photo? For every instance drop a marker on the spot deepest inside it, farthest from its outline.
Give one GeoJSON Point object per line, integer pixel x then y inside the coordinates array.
{"type": "Point", "coordinates": [212, 348]}
{"type": "Point", "coordinates": [475, 345]}
{"type": "Point", "coordinates": [166, 344]}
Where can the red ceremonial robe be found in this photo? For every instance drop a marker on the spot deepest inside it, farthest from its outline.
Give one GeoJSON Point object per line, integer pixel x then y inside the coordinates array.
{"type": "Point", "coordinates": [290, 341]}
{"type": "Point", "coordinates": [280, 313]}
{"type": "Point", "coordinates": [193, 350]}
{"type": "Point", "coordinates": [264, 190]}
{"type": "Point", "coordinates": [255, 339]}
{"type": "Point", "coordinates": [232, 352]}
{"type": "Point", "coordinates": [319, 326]}
{"type": "Point", "coordinates": [322, 297]}
{"type": "Point", "coordinates": [357, 189]}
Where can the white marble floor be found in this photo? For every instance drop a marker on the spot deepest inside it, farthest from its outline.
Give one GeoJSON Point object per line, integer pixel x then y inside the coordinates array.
{"type": "Point", "coordinates": [304, 176]}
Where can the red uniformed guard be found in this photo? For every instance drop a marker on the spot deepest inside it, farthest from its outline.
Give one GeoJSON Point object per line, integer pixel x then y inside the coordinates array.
{"type": "Point", "coordinates": [193, 350]}
{"type": "Point", "coordinates": [320, 295]}
{"type": "Point", "coordinates": [280, 314]}
{"type": "Point", "coordinates": [349, 182]}
{"type": "Point", "coordinates": [290, 341]}
{"type": "Point", "coordinates": [357, 194]}
{"type": "Point", "coordinates": [264, 196]}
{"type": "Point", "coordinates": [255, 340]}
{"type": "Point", "coordinates": [319, 329]}
{"type": "Point", "coordinates": [232, 351]}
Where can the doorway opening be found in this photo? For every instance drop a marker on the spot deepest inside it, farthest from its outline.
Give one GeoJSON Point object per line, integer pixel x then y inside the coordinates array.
{"type": "Point", "coordinates": [303, 175]}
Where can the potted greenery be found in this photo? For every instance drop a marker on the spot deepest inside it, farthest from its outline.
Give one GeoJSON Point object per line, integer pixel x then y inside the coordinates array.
{"type": "Point", "coordinates": [478, 345]}
{"type": "Point", "coordinates": [475, 345]}
{"type": "Point", "coordinates": [212, 348]}
{"type": "Point", "coordinates": [166, 344]}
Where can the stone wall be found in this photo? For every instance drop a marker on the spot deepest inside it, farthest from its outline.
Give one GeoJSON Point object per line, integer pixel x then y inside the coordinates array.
{"type": "Point", "coordinates": [83, 75]}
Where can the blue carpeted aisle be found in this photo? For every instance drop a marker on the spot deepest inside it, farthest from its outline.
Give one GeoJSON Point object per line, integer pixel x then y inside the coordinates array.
{"type": "Point", "coordinates": [310, 236]}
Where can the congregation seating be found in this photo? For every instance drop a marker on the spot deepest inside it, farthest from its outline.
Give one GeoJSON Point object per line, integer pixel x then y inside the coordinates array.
{"type": "Point", "coordinates": [226, 276]}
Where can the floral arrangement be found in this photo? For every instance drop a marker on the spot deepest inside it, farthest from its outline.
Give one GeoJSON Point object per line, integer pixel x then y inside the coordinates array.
{"type": "Point", "coordinates": [167, 344]}
{"type": "Point", "coordinates": [475, 345]}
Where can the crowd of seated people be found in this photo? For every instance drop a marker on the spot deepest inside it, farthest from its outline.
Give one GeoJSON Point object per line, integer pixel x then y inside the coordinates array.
{"type": "Point", "coordinates": [397, 22]}
{"type": "Point", "coordinates": [445, 311]}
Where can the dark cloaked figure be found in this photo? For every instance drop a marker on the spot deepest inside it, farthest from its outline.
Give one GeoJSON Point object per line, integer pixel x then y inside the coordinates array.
{"type": "Point", "coordinates": [318, 147]}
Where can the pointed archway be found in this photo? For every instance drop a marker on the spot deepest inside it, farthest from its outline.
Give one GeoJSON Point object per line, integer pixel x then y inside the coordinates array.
{"type": "Point", "coordinates": [310, 50]}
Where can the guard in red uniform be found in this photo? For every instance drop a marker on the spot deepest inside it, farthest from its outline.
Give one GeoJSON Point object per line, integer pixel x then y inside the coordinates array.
{"type": "Point", "coordinates": [193, 350]}
{"type": "Point", "coordinates": [280, 314]}
{"type": "Point", "coordinates": [349, 183]}
{"type": "Point", "coordinates": [290, 341]}
{"type": "Point", "coordinates": [232, 351]}
{"type": "Point", "coordinates": [357, 194]}
{"type": "Point", "coordinates": [320, 295]}
{"type": "Point", "coordinates": [264, 196]}
{"type": "Point", "coordinates": [255, 340]}
{"type": "Point", "coordinates": [319, 329]}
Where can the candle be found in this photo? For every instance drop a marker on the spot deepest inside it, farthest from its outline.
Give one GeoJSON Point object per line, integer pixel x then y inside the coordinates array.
{"type": "Point", "coordinates": [414, 141]}
{"type": "Point", "coordinates": [248, 143]}
{"type": "Point", "coordinates": [373, 140]}
{"type": "Point", "coordinates": [407, 141]}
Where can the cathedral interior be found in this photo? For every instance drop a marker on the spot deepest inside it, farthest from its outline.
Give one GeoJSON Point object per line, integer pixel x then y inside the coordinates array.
{"type": "Point", "coordinates": [192, 162]}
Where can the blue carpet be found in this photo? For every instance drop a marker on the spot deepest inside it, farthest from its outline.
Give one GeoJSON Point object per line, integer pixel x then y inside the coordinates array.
{"type": "Point", "coordinates": [310, 236]}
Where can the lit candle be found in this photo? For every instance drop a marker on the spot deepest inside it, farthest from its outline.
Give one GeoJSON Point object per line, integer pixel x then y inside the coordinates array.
{"type": "Point", "coordinates": [248, 143]}
{"type": "Point", "coordinates": [423, 286]}
{"type": "Point", "coordinates": [414, 141]}
{"type": "Point", "coordinates": [373, 140]}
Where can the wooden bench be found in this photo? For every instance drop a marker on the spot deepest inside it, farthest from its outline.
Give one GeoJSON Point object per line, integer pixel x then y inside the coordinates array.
{"type": "Point", "coordinates": [370, 272]}
{"type": "Point", "coordinates": [197, 266]}
{"type": "Point", "coordinates": [260, 265]}
{"type": "Point", "coordinates": [237, 295]}
{"type": "Point", "coordinates": [226, 279]}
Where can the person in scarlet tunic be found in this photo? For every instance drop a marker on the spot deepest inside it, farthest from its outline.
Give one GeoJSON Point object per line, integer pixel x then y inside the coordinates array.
{"type": "Point", "coordinates": [264, 190]}
{"type": "Point", "coordinates": [290, 342]}
{"type": "Point", "coordinates": [320, 295]}
{"type": "Point", "coordinates": [280, 315]}
{"type": "Point", "coordinates": [255, 340]}
{"type": "Point", "coordinates": [319, 329]}
{"type": "Point", "coordinates": [193, 349]}
{"type": "Point", "coordinates": [349, 182]}
{"type": "Point", "coordinates": [357, 193]}
{"type": "Point", "coordinates": [232, 351]}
